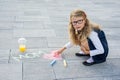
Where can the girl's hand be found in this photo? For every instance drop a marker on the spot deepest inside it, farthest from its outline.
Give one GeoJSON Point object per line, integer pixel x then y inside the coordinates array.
{"type": "Point", "coordinates": [56, 53]}
{"type": "Point", "coordinates": [84, 50]}
{"type": "Point", "coordinates": [59, 51]}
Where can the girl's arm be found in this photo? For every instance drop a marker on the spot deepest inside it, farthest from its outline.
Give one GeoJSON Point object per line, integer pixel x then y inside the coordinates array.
{"type": "Point", "coordinates": [66, 46]}
{"type": "Point", "coordinates": [97, 43]}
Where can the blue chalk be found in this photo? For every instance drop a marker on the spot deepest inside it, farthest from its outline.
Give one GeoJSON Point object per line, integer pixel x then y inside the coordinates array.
{"type": "Point", "coordinates": [53, 62]}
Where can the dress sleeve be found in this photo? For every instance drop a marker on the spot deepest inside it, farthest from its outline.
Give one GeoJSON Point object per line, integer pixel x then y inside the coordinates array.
{"type": "Point", "coordinates": [97, 43]}
{"type": "Point", "coordinates": [68, 45]}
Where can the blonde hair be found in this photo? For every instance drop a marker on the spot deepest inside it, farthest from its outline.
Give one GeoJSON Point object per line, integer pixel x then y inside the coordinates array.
{"type": "Point", "coordinates": [84, 33]}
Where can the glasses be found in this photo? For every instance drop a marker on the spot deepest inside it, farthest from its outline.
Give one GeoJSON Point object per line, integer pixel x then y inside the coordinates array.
{"type": "Point", "coordinates": [78, 21]}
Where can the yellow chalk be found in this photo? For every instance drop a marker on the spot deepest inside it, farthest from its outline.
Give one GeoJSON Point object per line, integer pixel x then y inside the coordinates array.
{"type": "Point", "coordinates": [65, 63]}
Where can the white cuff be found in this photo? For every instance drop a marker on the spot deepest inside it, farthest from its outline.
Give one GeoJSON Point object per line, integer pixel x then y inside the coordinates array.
{"type": "Point", "coordinates": [68, 45]}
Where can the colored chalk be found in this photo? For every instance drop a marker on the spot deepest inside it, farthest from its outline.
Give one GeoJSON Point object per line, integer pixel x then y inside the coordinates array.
{"type": "Point", "coordinates": [53, 62]}
{"type": "Point", "coordinates": [65, 63]}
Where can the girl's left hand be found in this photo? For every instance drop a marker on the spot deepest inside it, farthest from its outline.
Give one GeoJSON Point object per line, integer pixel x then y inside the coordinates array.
{"type": "Point", "coordinates": [84, 50]}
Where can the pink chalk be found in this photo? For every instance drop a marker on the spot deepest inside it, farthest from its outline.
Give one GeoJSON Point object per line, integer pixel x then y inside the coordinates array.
{"type": "Point", "coordinates": [53, 55]}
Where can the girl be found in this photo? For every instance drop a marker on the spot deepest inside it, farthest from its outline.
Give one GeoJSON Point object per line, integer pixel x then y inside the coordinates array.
{"type": "Point", "coordinates": [88, 36]}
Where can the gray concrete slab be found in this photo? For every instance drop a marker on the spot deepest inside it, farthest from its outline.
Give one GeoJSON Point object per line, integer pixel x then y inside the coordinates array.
{"type": "Point", "coordinates": [44, 23]}
{"type": "Point", "coordinates": [12, 43]}
{"type": "Point", "coordinates": [4, 56]}
{"type": "Point", "coordinates": [36, 42]}
{"type": "Point", "coordinates": [75, 69]}
{"type": "Point", "coordinates": [33, 33]}
{"type": "Point", "coordinates": [6, 43]}
{"type": "Point", "coordinates": [8, 33]}
{"type": "Point", "coordinates": [29, 25]}
{"type": "Point", "coordinates": [38, 71]}
{"type": "Point", "coordinates": [6, 25]}
{"type": "Point", "coordinates": [11, 71]}
{"type": "Point", "coordinates": [56, 42]}
{"type": "Point", "coordinates": [89, 78]}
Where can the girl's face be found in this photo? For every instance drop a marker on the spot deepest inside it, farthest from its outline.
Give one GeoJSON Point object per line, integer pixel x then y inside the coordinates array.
{"type": "Point", "coordinates": [78, 23]}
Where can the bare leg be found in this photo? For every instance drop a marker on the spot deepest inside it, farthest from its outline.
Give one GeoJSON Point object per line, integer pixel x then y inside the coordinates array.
{"type": "Point", "coordinates": [84, 47]}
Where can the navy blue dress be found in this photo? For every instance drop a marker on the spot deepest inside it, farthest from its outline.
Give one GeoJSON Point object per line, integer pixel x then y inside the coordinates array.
{"type": "Point", "coordinates": [100, 57]}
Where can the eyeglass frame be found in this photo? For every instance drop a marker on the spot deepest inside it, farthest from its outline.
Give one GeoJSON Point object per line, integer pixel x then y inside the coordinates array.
{"type": "Point", "coordinates": [78, 21]}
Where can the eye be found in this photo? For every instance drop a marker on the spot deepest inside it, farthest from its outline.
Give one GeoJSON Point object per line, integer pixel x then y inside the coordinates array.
{"type": "Point", "coordinates": [75, 21]}
{"type": "Point", "coordinates": [80, 20]}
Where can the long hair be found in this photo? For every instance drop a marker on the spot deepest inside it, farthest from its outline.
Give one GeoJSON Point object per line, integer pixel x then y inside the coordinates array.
{"type": "Point", "coordinates": [85, 32]}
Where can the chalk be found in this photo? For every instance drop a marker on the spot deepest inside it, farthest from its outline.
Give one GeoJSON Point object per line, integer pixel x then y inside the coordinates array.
{"type": "Point", "coordinates": [53, 62]}
{"type": "Point", "coordinates": [65, 63]}
{"type": "Point", "coordinates": [16, 58]}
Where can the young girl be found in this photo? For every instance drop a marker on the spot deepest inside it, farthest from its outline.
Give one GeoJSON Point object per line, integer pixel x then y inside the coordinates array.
{"type": "Point", "coordinates": [88, 36]}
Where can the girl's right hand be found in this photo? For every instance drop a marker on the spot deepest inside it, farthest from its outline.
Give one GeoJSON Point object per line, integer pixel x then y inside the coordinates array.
{"type": "Point", "coordinates": [59, 51]}
{"type": "Point", "coordinates": [56, 53]}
